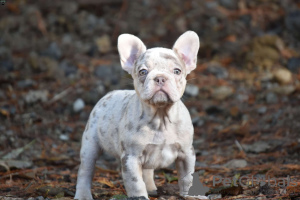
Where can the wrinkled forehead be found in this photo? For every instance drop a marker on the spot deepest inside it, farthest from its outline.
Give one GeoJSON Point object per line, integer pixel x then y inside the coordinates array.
{"type": "Point", "coordinates": [159, 58]}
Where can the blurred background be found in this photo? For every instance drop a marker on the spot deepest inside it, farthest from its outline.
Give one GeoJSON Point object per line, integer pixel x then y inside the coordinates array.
{"type": "Point", "coordinates": [58, 58]}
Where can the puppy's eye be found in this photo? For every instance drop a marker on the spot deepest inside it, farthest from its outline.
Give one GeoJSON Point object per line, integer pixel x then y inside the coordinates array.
{"type": "Point", "coordinates": [143, 72]}
{"type": "Point", "coordinates": [177, 71]}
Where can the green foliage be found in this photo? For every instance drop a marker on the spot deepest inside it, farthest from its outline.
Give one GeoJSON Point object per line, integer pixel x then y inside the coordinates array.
{"type": "Point", "coordinates": [119, 196]}
{"type": "Point", "coordinates": [170, 178]}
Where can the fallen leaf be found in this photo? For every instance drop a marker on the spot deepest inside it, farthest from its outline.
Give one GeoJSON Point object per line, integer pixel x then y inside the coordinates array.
{"type": "Point", "coordinates": [105, 181]}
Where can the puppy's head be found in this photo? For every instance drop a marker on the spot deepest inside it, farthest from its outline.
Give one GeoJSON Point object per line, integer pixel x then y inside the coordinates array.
{"type": "Point", "coordinates": [159, 74]}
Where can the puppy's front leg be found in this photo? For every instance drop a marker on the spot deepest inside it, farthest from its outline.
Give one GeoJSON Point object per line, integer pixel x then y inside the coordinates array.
{"type": "Point", "coordinates": [185, 168]}
{"type": "Point", "coordinates": [88, 156]}
{"type": "Point", "coordinates": [132, 176]}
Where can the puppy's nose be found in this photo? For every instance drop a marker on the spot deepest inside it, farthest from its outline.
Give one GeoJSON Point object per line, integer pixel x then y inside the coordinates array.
{"type": "Point", "coordinates": [160, 80]}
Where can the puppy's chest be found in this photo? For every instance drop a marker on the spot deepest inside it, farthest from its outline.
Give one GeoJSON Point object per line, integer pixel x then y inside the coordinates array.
{"type": "Point", "coordinates": [160, 155]}
{"type": "Point", "coordinates": [160, 132]}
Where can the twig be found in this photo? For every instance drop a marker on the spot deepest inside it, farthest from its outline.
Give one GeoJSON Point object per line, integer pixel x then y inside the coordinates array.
{"type": "Point", "coordinates": [122, 188]}
{"type": "Point", "coordinates": [15, 153]}
{"type": "Point", "coordinates": [60, 95]}
{"type": "Point", "coordinates": [239, 145]}
{"type": "Point", "coordinates": [10, 175]}
{"type": "Point", "coordinates": [28, 186]}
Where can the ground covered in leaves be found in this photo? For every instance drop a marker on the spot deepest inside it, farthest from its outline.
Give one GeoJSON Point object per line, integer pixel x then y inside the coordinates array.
{"type": "Point", "coordinates": [58, 58]}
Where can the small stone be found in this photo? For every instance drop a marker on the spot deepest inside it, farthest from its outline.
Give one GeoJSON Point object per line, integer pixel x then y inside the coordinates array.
{"type": "Point", "coordinates": [19, 164]}
{"type": "Point", "coordinates": [100, 88]}
{"type": "Point", "coordinates": [64, 137]}
{"type": "Point", "coordinates": [257, 147]}
{"type": "Point", "coordinates": [53, 51]}
{"type": "Point", "coordinates": [236, 163]}
{"type": "Point", "coordinates": [68, 68]}
{"type": "Point", "coordinates": [27, 83]}
{"type": "Point", "coordinates": [217, 69]}
{"type": "Point", "coordinates": [284, 89]}
{"type": "Point", "coordinates": [103, 44]}
{"type": "Point", "coordinates": [92, 20]}
{"type": "Point", "coordinates": [66, 39]}
{"type": "Point", "coordinates": [6, 65]}
{"type": "Point", "coordinates": [69, 8]}
{"type": "Point", "coordinates": [294, 65]}
{"type": "Point", "coordinates": [40, 198]}
{"type": "Point", "coordinates": [267, 76]}
{"type": "Point", "coordinates": [35, 96]}
{"type": "Point", "coordinates": [242, 97]}
{"type": "Point", "coordinates": [292, 22]}
{"type": "Point", "coordinates": [222, 92]}
{"type": "Point", "coordinates": [230, 4]}
{"type": "Point", "coordinates": [104, 72]}
{"type": "Point", "coordinates": [262, 110]}
{"type": "Point", "coordinates": [271, 98]}
{"type": "Point", "coordinates": [283, 76]}
{"type": "Point", "coordinates": [192, 90]}
{"type": "Point", "coordinates": [246, 19]}
{"type": "Point", "coordinates": [78, 105]}
{"type": "Point", "coordinates": [200, 122]}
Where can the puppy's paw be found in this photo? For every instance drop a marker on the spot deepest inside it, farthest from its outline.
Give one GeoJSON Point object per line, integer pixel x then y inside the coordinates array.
{"type": "Point", "coordinates": [188, 197]}
{"type": "Point", "coordinates": [83, 195]}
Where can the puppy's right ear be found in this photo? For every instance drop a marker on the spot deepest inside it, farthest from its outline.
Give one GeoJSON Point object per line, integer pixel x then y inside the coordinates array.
{"type": "Point", "coordinates": [130, 48]}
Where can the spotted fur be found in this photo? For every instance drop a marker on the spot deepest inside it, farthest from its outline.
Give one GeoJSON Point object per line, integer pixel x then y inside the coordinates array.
{"type": "Point", "coordinates": [146, 128]}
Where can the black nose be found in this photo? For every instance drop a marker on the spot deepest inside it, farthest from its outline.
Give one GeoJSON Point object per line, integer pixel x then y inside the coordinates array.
{"type": "Point", "coordinates": [160, 80]}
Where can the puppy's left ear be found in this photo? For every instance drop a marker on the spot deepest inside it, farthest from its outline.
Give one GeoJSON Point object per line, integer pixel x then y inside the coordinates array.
{"type": "Point", "coordinates": [187, 46]}
{"type": "Point", "coordinates": [130, 49]}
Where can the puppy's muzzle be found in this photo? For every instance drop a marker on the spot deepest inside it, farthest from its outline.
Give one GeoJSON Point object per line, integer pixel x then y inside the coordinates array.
{"type": "Point", "coordinates": [160, 80]}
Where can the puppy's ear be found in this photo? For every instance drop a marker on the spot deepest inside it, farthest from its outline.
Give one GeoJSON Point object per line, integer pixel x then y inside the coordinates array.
{"type": "Point", "coordinates": [186, 47]}
{"type": "Point", "coordinates": [130, 48]}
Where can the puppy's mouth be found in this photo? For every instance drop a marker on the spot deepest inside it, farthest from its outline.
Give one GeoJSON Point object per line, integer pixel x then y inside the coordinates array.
{"type": "Point", "coordinates": [160, 98]}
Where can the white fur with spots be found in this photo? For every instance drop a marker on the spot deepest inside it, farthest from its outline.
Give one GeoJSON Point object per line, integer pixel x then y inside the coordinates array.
{"type": "Point", "coordinates": [146, 128]}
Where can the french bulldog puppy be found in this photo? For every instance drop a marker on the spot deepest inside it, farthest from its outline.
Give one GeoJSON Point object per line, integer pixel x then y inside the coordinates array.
{"type": "Point", "coordinates": [146, 128]}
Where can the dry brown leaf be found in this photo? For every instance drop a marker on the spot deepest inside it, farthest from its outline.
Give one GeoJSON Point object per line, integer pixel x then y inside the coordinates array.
{"type": "Point", "coordinates": [105, 181]}
{"type": "Point", "coordinates": [106, 170]}
{"type": "Point", "coordinates": [41, 23]}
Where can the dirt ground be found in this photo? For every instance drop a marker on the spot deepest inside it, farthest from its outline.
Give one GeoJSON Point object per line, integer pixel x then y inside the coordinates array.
{"type": "Point", "coordinates": [58, 58]}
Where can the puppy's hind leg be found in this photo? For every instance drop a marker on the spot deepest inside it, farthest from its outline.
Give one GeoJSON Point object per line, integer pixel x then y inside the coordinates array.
{"type": "Point", "coordinates": [88, 155]}
{"type": "Point", "coordinates": [185, 168]}
{"type": "Point", "coordinates": [148, 177]}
